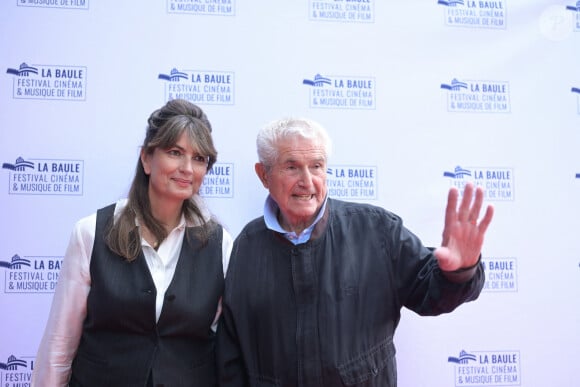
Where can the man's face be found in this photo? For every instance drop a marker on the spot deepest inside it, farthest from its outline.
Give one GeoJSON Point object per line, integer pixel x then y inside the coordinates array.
{"type": "Point", "coordinates": [297, 181]}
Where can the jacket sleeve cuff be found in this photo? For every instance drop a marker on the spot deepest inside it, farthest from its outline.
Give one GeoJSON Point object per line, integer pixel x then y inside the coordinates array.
{"type": "Point", "coordinates": [463, 274]}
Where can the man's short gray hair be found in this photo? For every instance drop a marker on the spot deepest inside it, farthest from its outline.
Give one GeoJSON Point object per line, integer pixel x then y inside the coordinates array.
{"type": "Point", "coordinates": [276, 131]}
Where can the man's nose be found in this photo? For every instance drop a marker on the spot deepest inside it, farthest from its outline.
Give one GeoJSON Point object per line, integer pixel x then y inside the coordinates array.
{"type": "Point", "coordinates": [305, 177]}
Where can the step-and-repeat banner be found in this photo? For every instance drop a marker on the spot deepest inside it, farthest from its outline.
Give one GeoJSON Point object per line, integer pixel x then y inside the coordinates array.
{"type": "Point", "coordinates": [418, 95]}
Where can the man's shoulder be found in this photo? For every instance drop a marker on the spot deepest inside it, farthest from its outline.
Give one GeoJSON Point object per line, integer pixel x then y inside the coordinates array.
{"type": "Point", "coordinates": [344, 208]}
{"type": "Point", "coordinates": [253, 227]}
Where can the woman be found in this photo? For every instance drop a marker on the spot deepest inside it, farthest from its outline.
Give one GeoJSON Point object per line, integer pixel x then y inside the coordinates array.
{"type": "Point", "coordinates": [138, 295]}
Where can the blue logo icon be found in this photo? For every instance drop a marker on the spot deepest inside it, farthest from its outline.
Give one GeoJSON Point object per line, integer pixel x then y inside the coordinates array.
{"type": "Point", "coordinates": [450, 3]}
{"type": "Point", "coordinates": [23, 71]}
{"type": "Point", "coordinates": [15, 263]}
{"type": "Point", "coordinates": [574, 8]}
{"type": "Point", "coordinates": [455, 85]}
{"type": "Point", "coordinates": [12, 364]}
{"type": "Point", "coordinates": [174, 76]}
{"type": "Point", "coordinates": [318, 81]}
{"type": "Point", "coordinates": [19, 165]}
{"type": "Point", "coordinates": [463, 358]}
{"type": "Point", "coordinates": [458, 173]}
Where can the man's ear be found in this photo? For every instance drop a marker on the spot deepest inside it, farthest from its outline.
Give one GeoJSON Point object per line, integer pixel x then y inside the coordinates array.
{"type": "Point", "coordinates": [262, 174]}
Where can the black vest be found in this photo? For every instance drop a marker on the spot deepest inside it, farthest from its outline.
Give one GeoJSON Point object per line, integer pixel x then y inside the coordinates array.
{"type": "Point", "coordinates": [122, 344]}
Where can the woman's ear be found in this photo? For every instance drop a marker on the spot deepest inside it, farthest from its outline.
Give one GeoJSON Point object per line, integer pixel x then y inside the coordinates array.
{"type": "Point", "coordinates": [145, 161]}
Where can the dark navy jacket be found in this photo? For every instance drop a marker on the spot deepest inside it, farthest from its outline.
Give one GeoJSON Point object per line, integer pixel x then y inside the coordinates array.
{"type": "Point", "coordinates": [324, 313]}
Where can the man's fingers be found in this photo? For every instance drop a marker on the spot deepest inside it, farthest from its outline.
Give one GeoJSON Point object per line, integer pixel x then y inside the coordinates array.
{"type": "Point", "coordinates": [464, 207]}
{"type": "Point", "coordinates": [450, 214]}
{"type": "Point", "coordinates": [451, 210]}
{"type": "Point", "coordinates": [477, 204]}
{"type": "Point", "coordinates": [486, 219]}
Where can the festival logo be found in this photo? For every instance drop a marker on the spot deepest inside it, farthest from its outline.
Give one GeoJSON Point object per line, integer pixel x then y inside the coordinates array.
{"type": "Point", "coordinates": [64, 4]}
{"type": "Point", "coordinates": [31, 274]}
{"type": "Point", "coordinates": [576, 12]}
{"type": "Point", "coordinates": [342, 92]}
{"type": "Point", "coordinates": [475, 13]}
{"type": "Point", "coordinates": [202, 7]}
{"type": "Point", "coordinates": [576, 90]}
{"type": "Point", "coordinates": [15, 372]}
{"type": "Point", "coordinates": [45, 177]}
{"type": "Point", "coordinates": [200, 87]}
{"type": "Point", "coordinates": [65, 83]}
{"type": "Point", "coordinates": [353, 11]}
{"type": "Point", "coordinates": [500, 274]}
{"type": "Point", "coordinates": [218, 182]}
{"type": "Point", "coordinates": [485, 368]}
{"type": "Point", "coordinates": [352, 182]}
{"type": "Point", "coordinates": [498, 183]}
{"type": "Point", "coordinates": [477, 96]}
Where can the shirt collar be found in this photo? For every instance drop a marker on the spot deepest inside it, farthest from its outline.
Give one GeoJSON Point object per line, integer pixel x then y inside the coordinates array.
{"type": "Point", "coordinates": [271, 209]}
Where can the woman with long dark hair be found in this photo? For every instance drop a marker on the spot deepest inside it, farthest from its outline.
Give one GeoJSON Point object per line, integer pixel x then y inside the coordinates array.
{"type": "Point", "coordinates": [138, 296]}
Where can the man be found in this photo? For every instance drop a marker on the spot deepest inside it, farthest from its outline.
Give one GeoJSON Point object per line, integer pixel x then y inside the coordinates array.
{"type": "Point", "coordinates": [315, 287]}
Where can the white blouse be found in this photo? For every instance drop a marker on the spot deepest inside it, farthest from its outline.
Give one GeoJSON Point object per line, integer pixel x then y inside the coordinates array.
{"type": "Point", "coordinates": [69, 305]}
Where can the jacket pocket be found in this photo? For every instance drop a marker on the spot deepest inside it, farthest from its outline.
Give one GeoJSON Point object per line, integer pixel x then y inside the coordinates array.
{"type": "Point", "coordinates": [371, 364]}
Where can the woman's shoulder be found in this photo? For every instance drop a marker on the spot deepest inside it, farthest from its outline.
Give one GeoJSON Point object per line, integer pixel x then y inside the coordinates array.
{"type": "Point", "coordinates": [87, 223]}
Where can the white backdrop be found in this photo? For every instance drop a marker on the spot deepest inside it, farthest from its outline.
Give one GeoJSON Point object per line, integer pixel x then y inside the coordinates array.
{"type": "Point", "coordinates": [417, 95]}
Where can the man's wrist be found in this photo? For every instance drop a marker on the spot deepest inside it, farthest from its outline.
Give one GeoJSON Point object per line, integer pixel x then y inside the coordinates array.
{"type": "Point", "coordinates": [463, 274]}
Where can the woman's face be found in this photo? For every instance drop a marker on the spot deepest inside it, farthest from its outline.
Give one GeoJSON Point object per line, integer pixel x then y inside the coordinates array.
{"type": "Point", "coordinates": [176, 173]}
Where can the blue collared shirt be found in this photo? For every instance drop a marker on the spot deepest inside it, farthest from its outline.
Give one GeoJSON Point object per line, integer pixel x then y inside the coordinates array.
{"type": "Point", "coordinates": [271, 210]}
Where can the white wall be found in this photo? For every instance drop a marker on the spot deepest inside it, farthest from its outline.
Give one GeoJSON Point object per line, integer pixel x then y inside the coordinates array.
{"type": "Point", "coordinates": [511, 120]}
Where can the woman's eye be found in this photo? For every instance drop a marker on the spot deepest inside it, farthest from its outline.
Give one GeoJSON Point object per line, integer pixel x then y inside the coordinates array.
{"type": "Point", "coordinates": [173, 152]}
{"type": "Point", "coordinates": [200, 159]}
